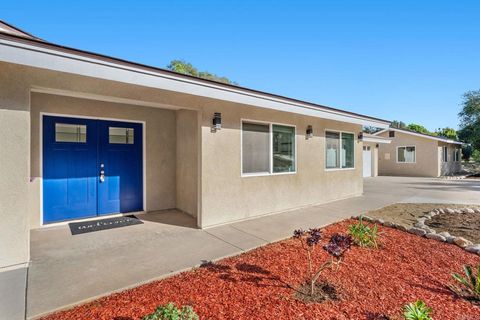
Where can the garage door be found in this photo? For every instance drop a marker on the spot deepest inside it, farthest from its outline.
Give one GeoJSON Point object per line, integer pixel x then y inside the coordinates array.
{"type": "Point", "coordinates": [367, 161]}
{"type": "Point", "coordinates": [91, 168]}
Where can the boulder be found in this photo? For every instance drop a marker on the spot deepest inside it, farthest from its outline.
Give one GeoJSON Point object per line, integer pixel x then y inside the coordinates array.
{"type": "Point", "coordinates": [449, 210]}
{"type": "Point", "coordinates": [474, 248]}
{"type": "Point", "coordinates": [462, 242]}
{"type": "Point", "coordinates": [469, 210]}
{"type": "Point", "coordinates": [435, 236]}
{"type": "Point", "coordinates": [417, 231]}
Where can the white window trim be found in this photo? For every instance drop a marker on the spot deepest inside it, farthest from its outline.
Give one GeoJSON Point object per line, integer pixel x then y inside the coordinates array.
{"type": "Point", "coordinates": [405, 162]}
{"type": "Point", "coordinates": [354, 150]}
{"type": "Point", "coordinates": [270, 128]}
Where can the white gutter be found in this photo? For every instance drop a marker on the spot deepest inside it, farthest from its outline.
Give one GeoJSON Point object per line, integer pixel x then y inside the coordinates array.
{"type": "Point", "coordinates": [45, 58]}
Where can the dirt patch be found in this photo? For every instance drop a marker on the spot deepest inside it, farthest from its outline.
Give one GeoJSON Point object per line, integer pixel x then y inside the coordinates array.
{"type": "Point", "coordinates": [465, 225]}
{"type": "Point", "coordinates": [374, 284]}
{"type": "Point", "coordinates": [406, 214]}
{"type": "Point", "coordinates": [323, 291]}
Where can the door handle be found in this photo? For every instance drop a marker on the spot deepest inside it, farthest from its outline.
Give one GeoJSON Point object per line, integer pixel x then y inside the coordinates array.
{"type": "Point", "coordinates": [102, 173]}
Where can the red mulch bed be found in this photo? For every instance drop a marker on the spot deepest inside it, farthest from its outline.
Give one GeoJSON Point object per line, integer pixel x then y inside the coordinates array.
{"type": "Point", "coordinates": [252, 286]}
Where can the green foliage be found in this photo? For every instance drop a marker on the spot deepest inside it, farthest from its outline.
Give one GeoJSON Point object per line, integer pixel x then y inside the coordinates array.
{"type": "Point", "coordinates": [417, 128]}
{"type": "Point", "coordinates": [417, 311]}
{"type": "Point", "coordinates": [171, 312]}
{"type": "Point", "coordinates": [470, 119]}
{"type": "Point", "coordinates": [447, 132]}
{"type": "Point", "coordinates": [476, 155]}
{"type": "Point", "coordinates": [398, 124]}
{"type": "Point", "coordinates": [467, 151]}
{"type": "Point", "coordinates": [364, 235]}
{"type": "Point", "coordinates": [184, 67]}
{"type": "Point", "coordinates": [470, 283]}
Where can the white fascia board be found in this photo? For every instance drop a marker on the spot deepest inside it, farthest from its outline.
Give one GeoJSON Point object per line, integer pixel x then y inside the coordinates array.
{"type": "Point", "coordinates": [420, 135]}
{"type": "Point", "coordinates": [39, 57]}
{"type": "Point", "coordinates": [376, 140]}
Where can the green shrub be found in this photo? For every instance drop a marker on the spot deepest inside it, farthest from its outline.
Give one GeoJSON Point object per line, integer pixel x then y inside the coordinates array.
{"type": "Point", "coordinates": [364, 235]}
{"type": "Point", "coordinates": [171, 312]}
{"type": "Point", "coordinates": [417, 311]}
{"type": "Point", "coordinates": [470, 284]}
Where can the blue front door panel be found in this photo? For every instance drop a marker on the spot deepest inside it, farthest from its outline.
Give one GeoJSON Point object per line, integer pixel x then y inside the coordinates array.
{"type": "Point", "coordinates": [122, 190]}
{"type": "Point", "coordinates": [72, 187]}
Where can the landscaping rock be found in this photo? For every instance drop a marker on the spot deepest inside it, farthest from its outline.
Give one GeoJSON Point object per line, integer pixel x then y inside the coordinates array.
{"type": "Point", "coordinates": [459, 211]}
{"type": "Point", "coordinates": [449, 210]}
{"type": "Point", "coordinates": [435, 236]}
{"type": "Point", "coordinates": [367, 218]}
{"type": "Point", "coordinates": [388, 224]}
{"type": "Point", "coordinates": [468, 210]}
{"type": "Point", "coordinates": [474, 248]}
{"type": "Point", "coordinates": [462, 242]}
{"type": "Point", "coordinates": [450, 239]}
{"type": "Point", "coordinates": [477, 210]}
{"type": "Point", "coordinates": [379, 221]}
{"type": "Point", "coordinates": [401, 228]}
{"type": "Point", "coordinates": [441, 210]}
{"type": "Point", "coordinates": [420, 224]}
{"type": "Point", "coordinates": [417, 231]}
{"type": "Point", "coordinates": [445, 234]}
{"type": "Point", "coordinates": [429, 230]}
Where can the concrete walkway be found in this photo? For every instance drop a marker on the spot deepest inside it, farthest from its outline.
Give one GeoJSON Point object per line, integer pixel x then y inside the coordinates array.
{"type": "Point", "coordinates": [67, 270]}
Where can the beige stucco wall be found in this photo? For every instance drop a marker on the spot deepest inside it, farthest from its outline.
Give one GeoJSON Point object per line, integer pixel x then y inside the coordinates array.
{"type": "Point", "coordinates": [160, 139]}
{"type": "Point", "coordinates": [450, 167]}
{"type": "Point", "coordinates": [227, 196]}
{"type": "Point", "coordinates": [426, 164]}
{"type": "Point", "coordinates": [187, 161]}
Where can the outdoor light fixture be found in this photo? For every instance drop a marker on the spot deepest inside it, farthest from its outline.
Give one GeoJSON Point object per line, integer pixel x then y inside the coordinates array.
{"type": "Point", "coordinates": [309, 132]}
{"type": "Point", "coordinates": [217, 121]}
{"type": "Point", "coordinates": [360, 136]}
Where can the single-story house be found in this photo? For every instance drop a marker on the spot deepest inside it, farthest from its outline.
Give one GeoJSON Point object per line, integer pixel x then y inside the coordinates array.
{"type": "Point", "coordinates": [85, 136]}
{"type": "Point", "coordinates": [417, 154]}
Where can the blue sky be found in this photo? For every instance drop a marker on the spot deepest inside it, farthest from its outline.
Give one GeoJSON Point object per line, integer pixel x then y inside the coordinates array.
{"type": "Point", "coordinates": [404, 60]}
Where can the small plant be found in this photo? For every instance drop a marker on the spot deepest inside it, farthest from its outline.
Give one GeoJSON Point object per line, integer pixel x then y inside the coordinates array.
{"type": "Point", "coordinates": [336, 247]}
{"type": "Point", "coordinates": [363, 235]}
{"type": "Point", "coordinates": [470, 284]}
{"type": "Point", "coordinates": [417, 311]}
{"type": "Point", "coordinates": [171, 312]}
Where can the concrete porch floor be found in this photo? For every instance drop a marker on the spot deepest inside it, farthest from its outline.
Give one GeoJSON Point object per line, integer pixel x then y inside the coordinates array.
{"type": "Point", "coordinates": [66, 270]}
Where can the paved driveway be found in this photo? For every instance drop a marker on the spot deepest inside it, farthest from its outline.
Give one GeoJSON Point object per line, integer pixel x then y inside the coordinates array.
{"type": "Point", "coordinates": [67, 270]}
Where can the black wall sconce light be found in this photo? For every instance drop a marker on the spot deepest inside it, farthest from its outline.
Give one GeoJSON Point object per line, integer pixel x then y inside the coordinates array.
{"type": "Point", "coordinates": [217, 121]}
{"type": "Point", "coordinates": [309, 133]}
{"type": "Point", "coordinates": [360, 136]}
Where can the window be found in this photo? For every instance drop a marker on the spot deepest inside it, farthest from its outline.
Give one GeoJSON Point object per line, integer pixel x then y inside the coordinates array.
{"type": "Point", "coordinates": [340, 150]}
{"type": "Point", "coordinates": [267, 148]}
{"type": "Point", "coordinates": [70, 133]}
{"type": "Point", "coordinates": [283, 148]}
{"type": "Point", "coordinates": [121, 135]}
{"type": "Point", "coordinates": [457, 155]}
{"type": "Point", "coordinates": [445, 154]}
{"type": "Point", "coordinates": [406, 154]}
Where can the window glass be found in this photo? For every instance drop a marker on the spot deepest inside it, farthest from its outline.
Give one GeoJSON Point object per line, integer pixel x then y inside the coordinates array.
{"type": "Point", "coordinates": [255, 148]}
{"type": "Point", "coordinates": [283, 148]}
{"type": "Point", "coordinates": [445, 154]}
{"type": "Point", "coordinates": [347, 150]}
{"type": "Point", "coordinates": [333, 149]}
{"type": "Point", "coordinates": [406, 154]}
{"type": "Point", "coordinates": [121, 135]}
{"type": "Point", "coordinates": [70, 133]}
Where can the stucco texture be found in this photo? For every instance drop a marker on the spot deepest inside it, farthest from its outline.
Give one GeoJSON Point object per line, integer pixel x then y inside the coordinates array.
{"type": "Point", "coordinates": [227, 196]}
{"type": "Point", "coordinates": [428, 157]}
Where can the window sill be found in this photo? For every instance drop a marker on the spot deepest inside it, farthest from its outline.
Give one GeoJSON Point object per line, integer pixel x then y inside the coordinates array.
{"type": "Point", "coordinates": [266, 174]}
{"type": "Point", "coordinates": [339, 169]}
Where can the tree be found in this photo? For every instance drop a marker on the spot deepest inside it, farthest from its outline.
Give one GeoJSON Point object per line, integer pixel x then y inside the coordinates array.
{"type": "Point", "coordinates": [398, 124]}
{"type": "Point", "coordinates": [470, 119]}
{"type": "Point", "coordinates": [184, 67]}
{"type": "Point", "coordinates": [417, 128]}
{"type": "Point", "coordinates": [447, 132]}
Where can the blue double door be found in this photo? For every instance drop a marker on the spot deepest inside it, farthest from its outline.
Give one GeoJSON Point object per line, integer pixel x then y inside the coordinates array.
{"type": "Point", "coordinates": [91, 168]}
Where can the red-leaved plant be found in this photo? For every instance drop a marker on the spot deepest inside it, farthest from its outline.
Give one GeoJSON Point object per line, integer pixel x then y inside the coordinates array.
{"type": "Point", "coordinates": [336, 247]}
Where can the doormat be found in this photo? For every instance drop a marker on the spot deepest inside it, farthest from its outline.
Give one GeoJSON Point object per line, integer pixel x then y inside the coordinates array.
{"type": "Point", "coordinates": [104, 224]}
